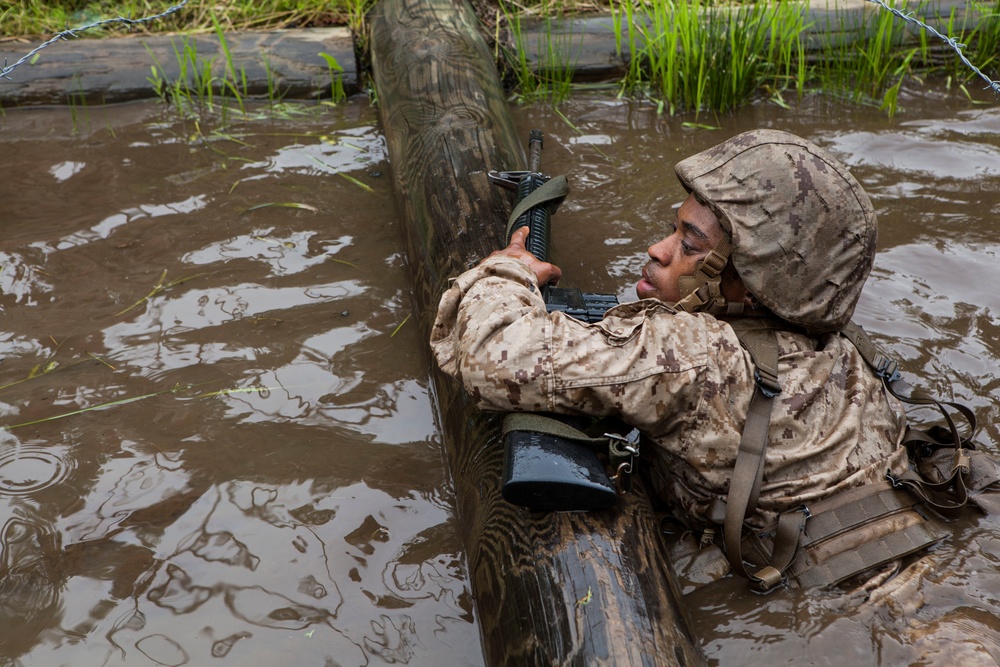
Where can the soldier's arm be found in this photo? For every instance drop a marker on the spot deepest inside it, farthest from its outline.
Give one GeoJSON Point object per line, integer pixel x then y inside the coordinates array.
{"type": "Point", "coordinates": [494, 335]}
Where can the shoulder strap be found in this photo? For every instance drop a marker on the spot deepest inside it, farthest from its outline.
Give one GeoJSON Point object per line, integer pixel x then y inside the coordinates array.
{"type": "Point", "coordinates": [886, 368]}
{"type": "Point", "coordinates": [759, 338]}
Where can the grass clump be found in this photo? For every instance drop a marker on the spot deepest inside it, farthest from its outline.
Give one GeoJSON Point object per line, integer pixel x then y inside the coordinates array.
{"type": "Point", "coordinates": [194, 88]}
{"type": "Point", "coordinates": [552, 77]}
{"type": "Point", "coordinates": [697, 56]}
{"type": "Point", "coordinates": [983, 37]}
{"type": "Point", "coordinates": [685, 55]}
{"type": "Point", "coordinates": [710, 56]}
{"type": "Point", "coordinates": [871, 67]}
{"type": "Point", "coordinates": [202, 88]}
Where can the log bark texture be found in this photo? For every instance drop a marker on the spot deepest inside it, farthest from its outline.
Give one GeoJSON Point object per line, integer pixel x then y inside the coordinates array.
{"type": "Point", "coordinates": [550, 589]}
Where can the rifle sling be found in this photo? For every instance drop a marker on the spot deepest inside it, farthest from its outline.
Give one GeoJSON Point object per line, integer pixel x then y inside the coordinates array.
{"type": "Point", "coordinates": [551, 193]}
{"type": "Point", "coordinates": [539, 423]}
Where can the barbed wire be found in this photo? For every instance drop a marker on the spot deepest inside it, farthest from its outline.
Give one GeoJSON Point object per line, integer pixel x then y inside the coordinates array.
{"type": "Point", "coordinates": [75, 32]}
{"type": "Point", "coordinates": [950, 41]}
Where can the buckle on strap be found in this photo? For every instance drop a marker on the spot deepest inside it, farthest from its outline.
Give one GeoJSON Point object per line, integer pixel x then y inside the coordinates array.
{"type": "Point", "coordinates": [766, 579]}
{"type": "Point", "coordinates": [766, 382]}
{"type": "Point", "coordinates": [622, 450]}
{"type": "Point", "coordinates": [886, 368]}
{"type": "Point", "coordinates": [714, 262]}
{"type": "Point", "coordinates": [962, 462]}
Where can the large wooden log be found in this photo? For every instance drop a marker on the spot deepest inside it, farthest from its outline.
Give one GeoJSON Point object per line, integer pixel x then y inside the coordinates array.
{"type": "Point", "coordinates": [107, 71]}
{"type": "Point", "coordinates": [550, 589]}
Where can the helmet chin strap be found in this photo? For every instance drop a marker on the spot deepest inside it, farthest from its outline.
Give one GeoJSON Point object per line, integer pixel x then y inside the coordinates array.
{"type": "Point", "coordinates": [701, 292]}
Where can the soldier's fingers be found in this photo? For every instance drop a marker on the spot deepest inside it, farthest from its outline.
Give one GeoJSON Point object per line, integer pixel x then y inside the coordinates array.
{"type": "Point", "coordinates": [548, 274]}
{"type": "Point", "coordinates": [520, 237]}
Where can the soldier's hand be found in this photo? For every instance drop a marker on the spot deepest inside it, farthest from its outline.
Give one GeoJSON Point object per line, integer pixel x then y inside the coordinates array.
{"type": "Point", "coordinates": [546, 273]}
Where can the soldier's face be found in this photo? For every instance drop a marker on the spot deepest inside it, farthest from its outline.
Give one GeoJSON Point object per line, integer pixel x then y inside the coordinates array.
{"type": "Point", "coordinates": [695, 233]}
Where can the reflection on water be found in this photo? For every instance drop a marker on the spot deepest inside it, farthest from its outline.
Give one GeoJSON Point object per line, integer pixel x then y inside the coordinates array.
{"type": "Point", "coordinates": [227, 451]}
{"type": "Point", "coordinates": [263, 481]}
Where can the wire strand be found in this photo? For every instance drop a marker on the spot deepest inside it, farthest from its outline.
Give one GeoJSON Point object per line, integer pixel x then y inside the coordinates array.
{"type": "Point", "coordinates": [950, 41]}
{"type": "Point", "coordinates": [75, 32]}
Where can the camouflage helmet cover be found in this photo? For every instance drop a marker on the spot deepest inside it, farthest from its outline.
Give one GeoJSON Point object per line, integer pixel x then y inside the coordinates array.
{"type": "Point", "coordinates": [803, 230]}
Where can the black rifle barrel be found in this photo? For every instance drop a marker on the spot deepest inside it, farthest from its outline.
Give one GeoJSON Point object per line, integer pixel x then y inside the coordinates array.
{"type": "Point", "coordinates": [535, 151]}
{"type": "Point", "coordinates": [537, 219]}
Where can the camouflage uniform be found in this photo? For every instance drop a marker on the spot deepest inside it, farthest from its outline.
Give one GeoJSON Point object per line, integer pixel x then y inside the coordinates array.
{"type": "Point", "coordinates": [801, 233]}
{"type": "Point", "coordinates": [682, 379]}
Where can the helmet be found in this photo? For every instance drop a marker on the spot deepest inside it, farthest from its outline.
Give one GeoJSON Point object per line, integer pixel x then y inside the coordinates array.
{"type": "Point", "coordinates": [802, 229]}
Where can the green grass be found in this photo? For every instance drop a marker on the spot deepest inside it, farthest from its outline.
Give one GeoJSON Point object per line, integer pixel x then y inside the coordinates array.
{"type": "Point", "coordinates": [553, 79]}
{"type": "Point", "coordinates": [199, 89]}
{"type": "Point", "coordinates": [983, 38]}
{"type": "Point", "coordinates": [696, 56]}
{"type": "Point", "coordinates": [871, 68]}
{"type": "Point", "coordinates": [201, 92]}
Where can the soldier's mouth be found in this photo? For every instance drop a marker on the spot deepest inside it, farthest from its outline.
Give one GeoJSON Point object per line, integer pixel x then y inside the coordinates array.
{"type": "Point", "coordinates": [644, 286]}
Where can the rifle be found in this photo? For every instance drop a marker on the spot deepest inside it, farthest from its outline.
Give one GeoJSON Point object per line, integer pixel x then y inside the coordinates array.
{"type": "Point", "coordinates": [585, 306]}
{"type": "Point", "coordinates": [549, 464]}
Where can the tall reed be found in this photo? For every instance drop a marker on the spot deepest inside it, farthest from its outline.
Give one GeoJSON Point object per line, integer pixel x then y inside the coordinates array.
{"type": "Point", "coordinates": [233, 80]}
{"type": "Point", "coordinates": [193, 88]}
{"type": "Point", "coordinates": [869, 67]}
{"type": "Point", "coordinates": [551, 77]}
{"type": "Point", "coordinates": [983, 37]}
{"type": "Point", "coordinates": [987, 37]}
{"type": "Point", "coordinates": [202, 88]}
{"type": "Point", "coordinates": [692, 55]}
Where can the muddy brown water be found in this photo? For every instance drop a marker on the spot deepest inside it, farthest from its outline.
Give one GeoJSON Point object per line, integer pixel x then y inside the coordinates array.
{"type": "Point", "coordinates": [221, 443]}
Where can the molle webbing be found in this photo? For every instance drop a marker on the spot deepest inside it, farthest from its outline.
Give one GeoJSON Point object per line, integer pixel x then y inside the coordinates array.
{"type": "Point", "coordinates": [887, 526]}
{"type": "Point", "coordinates": [880, 551]}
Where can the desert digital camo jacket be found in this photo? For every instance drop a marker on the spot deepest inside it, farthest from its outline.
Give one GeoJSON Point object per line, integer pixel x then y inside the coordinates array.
{"type": "Point", "coordinates": [682, 379]}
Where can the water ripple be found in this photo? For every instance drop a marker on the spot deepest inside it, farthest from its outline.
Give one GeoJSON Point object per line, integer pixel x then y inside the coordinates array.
{"type": "Point", "coordinates": [25, 469]}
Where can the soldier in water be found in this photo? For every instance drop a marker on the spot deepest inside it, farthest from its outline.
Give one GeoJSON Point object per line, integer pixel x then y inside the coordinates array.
{"type": "Point", "coordinates": [775, 236]}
